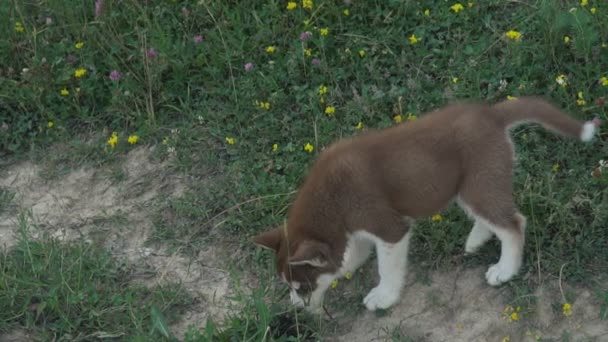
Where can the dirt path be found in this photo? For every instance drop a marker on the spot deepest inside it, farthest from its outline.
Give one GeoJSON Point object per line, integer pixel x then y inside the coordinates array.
{"type": "Point", "coordinates": [87, 203]}
{"type": "Point", "coordinates": [454, 306]}
{"type": "Point", "coordinates": [460, 306]}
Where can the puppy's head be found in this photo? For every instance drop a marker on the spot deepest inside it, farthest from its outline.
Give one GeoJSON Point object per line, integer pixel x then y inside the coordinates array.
{"type": "Point", "coordinates": [300, 263]}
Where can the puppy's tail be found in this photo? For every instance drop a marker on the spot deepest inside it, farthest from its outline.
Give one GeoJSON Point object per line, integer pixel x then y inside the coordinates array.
{"type": "Point", "coordinates": [540, 111]}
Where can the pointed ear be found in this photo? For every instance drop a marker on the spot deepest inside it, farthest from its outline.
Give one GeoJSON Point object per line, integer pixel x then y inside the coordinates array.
{"type": "Point", "coordinates": [311, 253]}
{"type": "Point", "coordinates": [270, 239]}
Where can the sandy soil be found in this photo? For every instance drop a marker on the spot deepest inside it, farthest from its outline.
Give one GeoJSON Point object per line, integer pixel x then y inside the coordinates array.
{"type": "Point", "coordinates": [87, 204]}
{"type": "Point", "coordinates": [460, 306]}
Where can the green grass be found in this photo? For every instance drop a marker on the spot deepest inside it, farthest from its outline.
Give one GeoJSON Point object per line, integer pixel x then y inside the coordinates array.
{"type": "Point", "coordinates": [189, 98]}
{"type": "Point", "coordinates": [79, 291]}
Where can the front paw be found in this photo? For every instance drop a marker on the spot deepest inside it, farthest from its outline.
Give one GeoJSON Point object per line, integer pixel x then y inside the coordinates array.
{"type": "Point", "coordinates": [498, 274]}
{"type": "Point", "coordinates": [380, 298]}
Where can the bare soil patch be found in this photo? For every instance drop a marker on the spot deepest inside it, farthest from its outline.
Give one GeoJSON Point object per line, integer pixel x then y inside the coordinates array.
{"type": "Point", "coordinates": [91, 204]}
{"type": "Point", "coordinates": [460, 306]}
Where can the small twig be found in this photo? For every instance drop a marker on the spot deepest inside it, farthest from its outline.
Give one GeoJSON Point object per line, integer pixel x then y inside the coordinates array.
{"type": "Point", "coordinates": [522, 3]}
{"type": "Point", "coordinates": [561, 289]}
{"type": "Point", "coordinates": [327, 313]}
{"type": "Point", "coordinates": [266, 333]}
{"type": "Point", "coordinates": [314, 126]}
{"type": "Point", "coordinates": [246, 202]}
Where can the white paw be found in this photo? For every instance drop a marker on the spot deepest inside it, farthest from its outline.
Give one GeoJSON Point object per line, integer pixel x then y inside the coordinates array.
{"type": "Point", "coordinates": [380, 298]}
{"type": "Point", "coordinates": [497, 274]}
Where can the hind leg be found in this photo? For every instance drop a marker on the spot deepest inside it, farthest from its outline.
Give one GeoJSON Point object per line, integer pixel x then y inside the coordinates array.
{"type": "Point", "coordinates": [479, 235]}
{"type": "Point", "coordinates": [486, 194]}
{"type": "Point", "coordinates": [511, 256]}
{"type": "Point", "coordinates": [509, 228]}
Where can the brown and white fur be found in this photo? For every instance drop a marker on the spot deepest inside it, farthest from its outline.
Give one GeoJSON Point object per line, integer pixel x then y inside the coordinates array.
{"type": "Point", "coordinates": [366, 192]}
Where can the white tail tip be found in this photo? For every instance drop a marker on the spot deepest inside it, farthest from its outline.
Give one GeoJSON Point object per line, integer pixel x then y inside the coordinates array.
{"type": "Point", "coordinates": [588, 131]}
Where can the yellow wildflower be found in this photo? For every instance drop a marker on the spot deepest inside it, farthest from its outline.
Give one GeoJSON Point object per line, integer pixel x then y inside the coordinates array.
{"type": "Point", "coordinates": [78, 73]}
{"type": "Point", "coordinates": [414, 40]}
{"type": "Point", "coordinates": [454, 80]}
{"type": "Point", "coordinates": [275, 147]}
{"type": "Point", "coordinates": [470, 4]}
{"type": "Point", "coordinates": [113, 141]}
{"type": "Point", "coordinates": [64, 92]}
{"type": "Point", "coordinates": [322, 89]}
{"type": "Point", "coordinates": [324, 31]}
{"type": "Point", "coordinates": [19, 27]}
{"type": "Point", "coordinates": [330, 110]}
{"type": "Point", "coordinates": [309, 147]}
{"type": "Point", "coordinates": [307, 4]}
{"type": "Point", "coordinates": [511, 98]}
{"type": "Point", "coordinates": [359, 125]}
{"type": "Point", "coordinates": [437, 218]}
{"type": "Point", "coordinates": [230, 140]}
{"type": "Point", "coordinates": [411, 117]}
{"type": "Point", "coordinates": [398, 118]}
{"type": "Point", "coordinates": [584, 3]}
{"type": "Point", "coordinates": [362, 53]}
{"type": "Point", "coordinates": [50, 124]}
{"type": "Point", "coordinates": [292, 5]}
{"type": "Point", "coordinates": [334, 284]}
{"type": "Point", "coordinates": [567, 309]}
{"type": "Point", "coordinates": [580, 101]}
{"type": "Point", "coordinates": [555, 167]}
{"type": "Point", "coordinates": [308, 52]}
{"type": "Point", "coordinates": [566, 40]}
{"type": "Point", "coordinates": [562, 80]}
{"type": "Point", "coordinates": [263, 105]}
{"type": "Point", "coordinates": [457, 7]}
{"type": "Point", "coordinates": [133, 139]}
{"type": "Point", "coordinates": [506, 339]}
{"type": "Point", "coordinates": [271, 49]}
{"type": "Point", "coordinates": [513, 35]}
{"type": "Point", "coordinates": [79, 45]}
{"type": "Point", "coordinates": [427, 12]}
{"type": "Point", "coordinates": [511, 314]}
{"type": "Point", "coordinates": [346, 12]}
{"type": "Point", "coordinates": [348, 275]}
{"type": "Point", "coordinates": [593, 10]}
{"type": "Point", "coordinates": [604, 81]}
